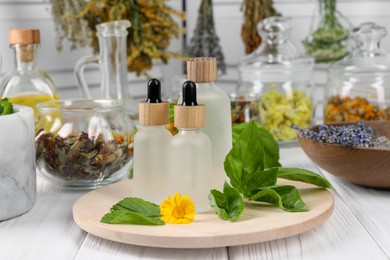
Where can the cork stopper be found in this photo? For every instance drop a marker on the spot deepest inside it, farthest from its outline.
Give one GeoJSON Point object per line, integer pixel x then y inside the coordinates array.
{"type": "Point", "coordinates": [153, 111]}
{"type": "Point", "coordinates": [189, 114]}
{"type": "Point", "coordinates": [202, 69]}
{"type": "Point", "coordinates": [24, 36]}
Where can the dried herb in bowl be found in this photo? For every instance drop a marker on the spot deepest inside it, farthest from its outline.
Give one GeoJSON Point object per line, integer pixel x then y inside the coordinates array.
{"type": "Point", "coordinates": [78, 157]}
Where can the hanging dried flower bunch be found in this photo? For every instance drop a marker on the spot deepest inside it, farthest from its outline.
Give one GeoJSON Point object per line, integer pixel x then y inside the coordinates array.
{"type": "Point", "coordinates": [254, 12]}
{"type": "Point", "coordinates": [205, 42]}
{"type": "Point", "coordinates": [149, 37]}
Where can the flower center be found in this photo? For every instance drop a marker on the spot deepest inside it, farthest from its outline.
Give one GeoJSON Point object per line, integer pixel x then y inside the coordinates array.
{"type": "Point", "coordinates": [178, 212]}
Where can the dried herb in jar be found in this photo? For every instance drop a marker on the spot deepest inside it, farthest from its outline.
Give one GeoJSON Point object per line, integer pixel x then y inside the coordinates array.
{"type": "Point", "coordinates": [78, 157]}
{"type": "Point", "coordinates": [348, 109]}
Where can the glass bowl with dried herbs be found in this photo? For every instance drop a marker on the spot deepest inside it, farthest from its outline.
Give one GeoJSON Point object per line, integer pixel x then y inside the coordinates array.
{"type": "Point", "coordinates": [83, 143]}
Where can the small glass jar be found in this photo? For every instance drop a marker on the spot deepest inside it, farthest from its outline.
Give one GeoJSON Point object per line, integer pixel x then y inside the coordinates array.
{"type": "Point", "coordinates": [275, 84]}
{"type": "Point", "coordinates": [358, 87]}
{"type": "Point", "coordinates": [83, 143]}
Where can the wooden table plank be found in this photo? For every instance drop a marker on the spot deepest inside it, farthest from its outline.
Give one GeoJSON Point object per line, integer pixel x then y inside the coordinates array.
{"type": "Point", "coordinates": [47, 231]}
{"type": "Point", "coordinates": [97, 248]}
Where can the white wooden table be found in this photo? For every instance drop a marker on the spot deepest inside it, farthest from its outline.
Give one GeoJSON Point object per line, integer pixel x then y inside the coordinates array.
{"type": "Point", "coordinates": [358, 229]}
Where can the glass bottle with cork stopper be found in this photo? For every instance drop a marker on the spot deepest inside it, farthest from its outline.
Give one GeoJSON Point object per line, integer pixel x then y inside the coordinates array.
{"type": "Point", "coordinates": [151, 144]}
{"type": "Point", "coordinates": [190, 159]}
{"type": "Point", "coordinates": [27, 85]}
{"type": "Point", "coordinates": [203, 71]}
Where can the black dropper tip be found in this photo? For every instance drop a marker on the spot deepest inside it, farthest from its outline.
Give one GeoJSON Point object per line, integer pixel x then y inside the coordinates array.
{"type": "Point", "coordinates": [154, 91]}
{"type": "Point", "coordinates": [189, 94]}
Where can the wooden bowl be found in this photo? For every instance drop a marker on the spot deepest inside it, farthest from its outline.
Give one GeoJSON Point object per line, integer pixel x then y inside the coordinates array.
{"type": "Point", "coordinates": [369, 167]}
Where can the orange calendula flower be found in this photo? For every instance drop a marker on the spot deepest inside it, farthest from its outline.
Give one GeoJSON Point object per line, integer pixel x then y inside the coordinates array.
{"type": "Point", "coordinates": [177, 210]}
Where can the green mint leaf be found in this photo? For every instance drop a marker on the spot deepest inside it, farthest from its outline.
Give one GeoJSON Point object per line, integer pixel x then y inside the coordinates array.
{"type": "Point", "coordinates": [137, 205]}
{"type": "Point", "coordinates": [258, 179]}
{"type": "Point", "coordinates": [285, 197]}
{"type": "Point", "coordinates": [6, 107]}
{"type": "Point", "coordinates": [246, 156]}
{"type": "Point", "coordinates": [227, 205]}
{"type": "Point", "coordinates": [128, 217]}
{"type": "Point", "coordinates": [302, 175]}
{"type": "Point", "coordinates": [271, 147]}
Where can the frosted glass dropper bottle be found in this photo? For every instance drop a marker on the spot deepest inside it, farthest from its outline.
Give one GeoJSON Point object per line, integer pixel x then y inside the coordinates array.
{"type": "Point", "coordinates": [151, 144]}
{"type": "Point", "coordinates": [190, 160]}
{"type": "Point", "coordinates": [203, 71]}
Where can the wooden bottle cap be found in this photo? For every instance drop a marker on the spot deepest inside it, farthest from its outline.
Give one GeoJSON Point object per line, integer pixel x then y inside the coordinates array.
{"type": "Point", "coordinates": [190, 116]}
{"type": "Point", "coordinates": [202, 69]}
{"type": "Point", "coordinates": [24, 36]}
{"type": "Point", "coordinates": [153, 114]}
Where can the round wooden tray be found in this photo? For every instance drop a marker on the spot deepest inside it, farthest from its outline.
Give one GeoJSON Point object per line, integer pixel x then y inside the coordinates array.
{"type": "Point", "coordinates": [258, 223]}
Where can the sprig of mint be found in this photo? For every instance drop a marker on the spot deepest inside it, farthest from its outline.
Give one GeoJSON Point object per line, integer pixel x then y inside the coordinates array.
{"type": "Point", "coordinates": [133, 211]}
{"type": "Point", "coordinates": [6, 107]}
{"type": "Point", "coordinates": [253, 168]}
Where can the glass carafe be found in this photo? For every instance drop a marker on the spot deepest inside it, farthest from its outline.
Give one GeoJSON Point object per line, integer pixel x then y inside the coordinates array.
{"type": "Point", "coordinates": [275, 85]}
{"type": "Point", "coordinates": [112, 61]}
{"type": "Point", "coordinates": [358, 87]}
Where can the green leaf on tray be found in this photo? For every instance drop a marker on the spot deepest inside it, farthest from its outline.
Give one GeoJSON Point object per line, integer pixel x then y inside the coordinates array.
{"type": "Point", "coordinates": [246, 156]}
{"type": "Point", "coordinates": [253, 168]}
{"type": "Point", "coordinates": [271, 147]}
{"type": "Point", "coordinates": [138, 205]}
{"type": "Point", "coordinates": [302, 175]}
{"type": "Point", "coordinates": [286, 197]}
{"type": "Point", "coordinates": [133, 211]}
{"type": "Point", "coordinates": [227, 205]}
{"type": "Point", "coordinates": [130, 217]}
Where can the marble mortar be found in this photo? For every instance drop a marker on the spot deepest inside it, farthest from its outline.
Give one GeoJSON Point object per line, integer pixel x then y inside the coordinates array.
{"type": "Point", "coordinates": [17, 162]}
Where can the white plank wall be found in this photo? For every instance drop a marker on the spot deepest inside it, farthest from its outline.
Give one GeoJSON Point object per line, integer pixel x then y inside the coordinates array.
{"type": "Point", "coordinates": [228, 19]}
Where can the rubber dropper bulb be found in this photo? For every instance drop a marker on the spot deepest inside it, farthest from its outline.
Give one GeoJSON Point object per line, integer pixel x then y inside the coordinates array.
{"type": "Point", "coordinates": [189, 94]}
{"type": "Point", "coordinates": [154, 91]}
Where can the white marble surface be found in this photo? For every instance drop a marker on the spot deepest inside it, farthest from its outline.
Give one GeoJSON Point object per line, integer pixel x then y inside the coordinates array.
{"type": "Point", "coordinates": [358, 229]}
{"type": "Point", "coordinates": [17, 163]}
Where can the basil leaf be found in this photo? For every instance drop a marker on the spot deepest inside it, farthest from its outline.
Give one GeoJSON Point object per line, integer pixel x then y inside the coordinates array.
{"type": "Point", "coordinates": [128, 217]}
{"type": "Point", "coordinates": [286, 197]}
{"type": "Point", "coordinates": [302, 175]}
{"type": "Point", "coordinates": [227, 205]}
{"type": "Point", "coordinates": [246, 156]}
{"type": "Point", "coordinates": [141, 206]}
{"type": "Point", "coordinates": [258, 179]}
{"type": "Point", "coordinates": [271, 147]}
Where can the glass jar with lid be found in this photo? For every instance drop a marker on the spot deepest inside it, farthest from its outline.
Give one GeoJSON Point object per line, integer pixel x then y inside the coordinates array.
{"type": "Point", "coordinates": [275, 83]}
{"type": "Point", "coordinates": [358, 87]}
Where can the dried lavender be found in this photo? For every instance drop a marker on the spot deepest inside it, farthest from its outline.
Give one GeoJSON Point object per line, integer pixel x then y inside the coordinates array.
{"type": "Point", "coordinates": [205, 42]}
{"type": "Point", "coordinates": [351, 135]}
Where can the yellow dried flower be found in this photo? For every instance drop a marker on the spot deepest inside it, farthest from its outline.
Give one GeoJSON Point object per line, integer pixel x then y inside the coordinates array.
{"type": "Point", "coordinates": [177, 210]}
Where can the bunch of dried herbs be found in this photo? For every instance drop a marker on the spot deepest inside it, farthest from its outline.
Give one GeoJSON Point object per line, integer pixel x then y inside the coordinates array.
{"type": "Point", "coordinates": [78, 157]}
{"type": "Point", "coordinates": [152, 28]}
{"type": "Point", "coordinates": [254, 12]}
{"type": "Point", "coordinates": [205, 42]}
